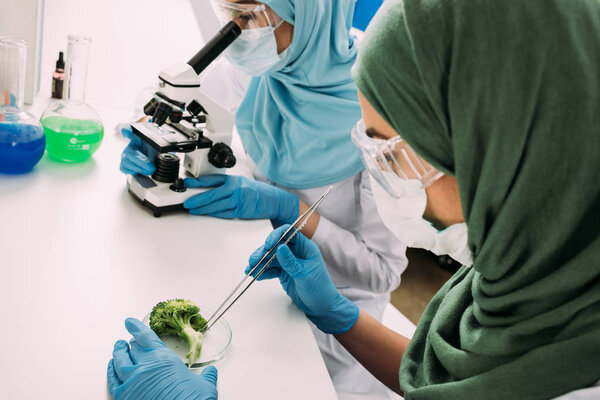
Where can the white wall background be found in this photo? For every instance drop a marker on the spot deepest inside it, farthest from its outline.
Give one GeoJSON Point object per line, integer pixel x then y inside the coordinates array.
{"type": "Point", "coordinates": [134, 40]}
{"type": "Point", "coordinates": [23, 19]}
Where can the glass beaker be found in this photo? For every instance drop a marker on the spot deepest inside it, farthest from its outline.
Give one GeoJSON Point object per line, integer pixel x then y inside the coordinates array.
{"type": "Point", "coordinates": [22, 139]}
{"type": "Point", "coordinates": [73, 128]}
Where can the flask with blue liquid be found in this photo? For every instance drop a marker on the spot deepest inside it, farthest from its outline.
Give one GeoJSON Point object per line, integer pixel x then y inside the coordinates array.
{"type": "Point", "coordinates": [22, 139]}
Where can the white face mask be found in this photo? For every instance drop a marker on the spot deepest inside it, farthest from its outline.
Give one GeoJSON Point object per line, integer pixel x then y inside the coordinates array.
{"type": "Point", "coordinates": [255, 55]}
{"type": "Point", "coordinates": [404, 217]}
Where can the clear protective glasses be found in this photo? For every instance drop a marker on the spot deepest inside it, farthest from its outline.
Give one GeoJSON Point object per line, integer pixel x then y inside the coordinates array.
{"type": "Point", "coordinates": [252, 18]}
{"type": "Point", "coordinates": [391, 160]}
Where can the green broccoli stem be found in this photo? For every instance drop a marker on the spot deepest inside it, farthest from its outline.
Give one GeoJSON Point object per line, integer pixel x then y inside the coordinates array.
{"type": "Point", "coordinates": [193, 338]}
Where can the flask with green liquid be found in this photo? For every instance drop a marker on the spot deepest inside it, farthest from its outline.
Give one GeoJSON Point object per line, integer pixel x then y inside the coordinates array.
{"type": "Point", "coordinates": [73, 128]}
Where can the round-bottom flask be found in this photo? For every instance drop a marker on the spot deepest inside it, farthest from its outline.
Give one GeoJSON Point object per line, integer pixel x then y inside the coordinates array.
{"type": "Point", "coordinates": [73, 129]}
{"type": "Point", "coordinates": [22, 141]}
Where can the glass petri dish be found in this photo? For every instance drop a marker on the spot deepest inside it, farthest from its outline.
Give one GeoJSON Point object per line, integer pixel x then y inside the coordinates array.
{"type": "Point", "coordinates": [215, 342]}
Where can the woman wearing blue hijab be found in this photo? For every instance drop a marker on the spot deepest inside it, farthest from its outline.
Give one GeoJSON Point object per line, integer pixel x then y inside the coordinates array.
{"type": "Point", "coordinates": [295, 120]}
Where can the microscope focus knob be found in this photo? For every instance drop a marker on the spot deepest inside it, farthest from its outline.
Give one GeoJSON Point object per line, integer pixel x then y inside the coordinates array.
{"type": "Point", "coordinates": [167, 168]}
{"type": "Point", "coordinates": [221, 156]}
{"type": "Point", "coordinates": [178, 186]}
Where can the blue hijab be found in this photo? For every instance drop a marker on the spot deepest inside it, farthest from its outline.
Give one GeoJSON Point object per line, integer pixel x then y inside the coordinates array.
{"type": "Point", "coordinates": [295, 120]}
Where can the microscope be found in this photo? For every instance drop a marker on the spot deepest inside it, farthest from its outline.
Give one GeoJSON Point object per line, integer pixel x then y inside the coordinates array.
{"type": "Point", "coordinates": [184, 120]}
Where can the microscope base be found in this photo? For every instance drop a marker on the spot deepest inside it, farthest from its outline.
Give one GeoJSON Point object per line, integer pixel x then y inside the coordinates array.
{"type": "Point", "coordinates": [158, 196]}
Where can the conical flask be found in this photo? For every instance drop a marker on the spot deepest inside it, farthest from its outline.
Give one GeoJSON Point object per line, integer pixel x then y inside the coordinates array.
{"type": "Point", "coordinates": [73, 128]}
{"type": "Point", "coordinates": [22, 139]}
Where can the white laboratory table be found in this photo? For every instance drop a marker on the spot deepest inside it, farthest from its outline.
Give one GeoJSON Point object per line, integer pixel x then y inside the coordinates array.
{"type": "Point", "coordinates": [78, 256]}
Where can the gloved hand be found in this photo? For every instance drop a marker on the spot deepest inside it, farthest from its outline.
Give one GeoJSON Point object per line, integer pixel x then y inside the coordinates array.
{"type": "Point", "coordinates": [150, 371]}
{"type": "Point", "coordinates": [240, 197]}
{"type": "Point", "coordinates": [303, 275]}
{"type": "Point", "coordinates": [138, 157]}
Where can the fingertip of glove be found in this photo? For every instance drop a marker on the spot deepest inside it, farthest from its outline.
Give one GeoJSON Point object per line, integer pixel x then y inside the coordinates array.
{"type": "Point", "coordinates": [211, 369]}
{"type": "Point", "coordinates": [283, 250]}
{"type": "Point", "coordinates": [284, 255]}
{"type": "Point", "coordinates": [193, 205]}
{"type": "Point", "coordinates": [120, 344]}
{"type": "Point", "coordinates": [205, 180]}
{"type": "Point", "coordinates": [256, 256]}
{"type": "Point", "coordinates": [133, 325]}
{"type": "Point", "coordinates": [150, 171]}
{"type": "Point", "coordinates": [211, 374]}
{"type": "Point", "coordinates": [188, 182]}
{"type": "Point", "coordinates": [276, 235]}
{"type": "Point", "coordinates": [270, 273]}
{"type": "Point", "coordinates": [126, 130]}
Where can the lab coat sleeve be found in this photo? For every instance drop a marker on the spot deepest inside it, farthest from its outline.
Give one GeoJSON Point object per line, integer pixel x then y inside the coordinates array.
{"type": "Point", "coordinates": [365, 256]}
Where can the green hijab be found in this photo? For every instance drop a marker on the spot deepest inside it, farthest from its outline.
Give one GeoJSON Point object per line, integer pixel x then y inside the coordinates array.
{"type": "Point", "coordinates": [504, 95]}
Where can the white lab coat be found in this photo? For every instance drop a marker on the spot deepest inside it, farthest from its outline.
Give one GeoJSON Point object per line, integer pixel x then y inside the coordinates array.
{"type": "Point", "coordinates": [590, 393]}
{"type": "Point", "coordinates": [365, 260]}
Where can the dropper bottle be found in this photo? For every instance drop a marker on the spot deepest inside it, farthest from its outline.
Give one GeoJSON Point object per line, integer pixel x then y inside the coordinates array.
{"type": "Point", "coordinates": [22, 139]}
{"type": "Point", "coordinates": [73, 128]}
{"type": "Point", "coordinates": [58, 77]}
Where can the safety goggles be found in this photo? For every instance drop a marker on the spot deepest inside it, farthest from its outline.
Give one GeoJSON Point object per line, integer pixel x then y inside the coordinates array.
{"type": "Point", "coordinates": [392, 159]}
{"type": "Point", "coordinates": [250, 17]}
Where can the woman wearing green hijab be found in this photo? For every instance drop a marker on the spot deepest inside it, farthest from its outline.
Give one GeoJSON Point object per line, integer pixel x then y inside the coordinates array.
{"type": "Point", "coordinates": [503, 98]}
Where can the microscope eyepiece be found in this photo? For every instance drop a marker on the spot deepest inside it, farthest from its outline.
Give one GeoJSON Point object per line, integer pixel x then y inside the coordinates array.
{"type": "Point", "coordinates": [215, 46]}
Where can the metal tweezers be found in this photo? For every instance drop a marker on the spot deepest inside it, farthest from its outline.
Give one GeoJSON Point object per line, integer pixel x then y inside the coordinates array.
{"type": "Point", "coordinates": [289, 234]}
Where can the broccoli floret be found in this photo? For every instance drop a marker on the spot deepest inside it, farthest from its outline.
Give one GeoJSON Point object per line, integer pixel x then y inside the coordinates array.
{"type": "Point", "coordinates": [181, 318]}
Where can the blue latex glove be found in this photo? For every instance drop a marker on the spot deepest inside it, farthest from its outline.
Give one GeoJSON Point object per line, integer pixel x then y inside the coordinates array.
{"type": "Point", "coordinates": [303, 275]}
{"type": "Point", "coordinates": [151, 371]}
{"type": "Point", "coordinates": [138, 157]}
{"type": "Point", "coordinates": [240, 197]}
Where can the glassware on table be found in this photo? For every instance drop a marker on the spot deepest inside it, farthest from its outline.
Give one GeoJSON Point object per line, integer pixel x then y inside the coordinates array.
{"type": "Point", "coordinates": [73, 128]}
{"type": "Point", "coordinates": [22, 139]}
{"type": "Point", "coordinates": [215, 343]}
